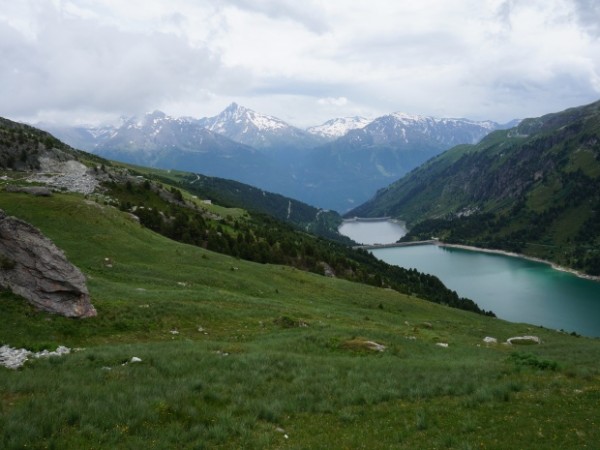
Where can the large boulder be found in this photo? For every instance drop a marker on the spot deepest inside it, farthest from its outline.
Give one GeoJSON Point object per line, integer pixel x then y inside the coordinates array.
{"type": "Point", "coordinates": [33, 267]}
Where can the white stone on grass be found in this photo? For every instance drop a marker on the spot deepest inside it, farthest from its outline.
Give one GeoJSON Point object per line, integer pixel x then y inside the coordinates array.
{"type": "Point", "coordinates": [524, 340]}
{"type": "Point", "coordinates": [13, 358]}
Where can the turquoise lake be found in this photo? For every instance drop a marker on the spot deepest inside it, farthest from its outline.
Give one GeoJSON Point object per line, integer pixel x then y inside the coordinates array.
{"type": "Point", "coordinates": [515, 289]}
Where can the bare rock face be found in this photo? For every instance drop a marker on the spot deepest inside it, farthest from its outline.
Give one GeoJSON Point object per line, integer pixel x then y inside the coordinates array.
{"type": "Point", "coordinates": [33, 267]}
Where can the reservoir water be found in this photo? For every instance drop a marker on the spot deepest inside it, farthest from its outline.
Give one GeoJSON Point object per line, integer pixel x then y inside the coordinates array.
{"type": "Point", "coordinates": [372, 231]}
{"type": "Point", "coordinates": [515, 289]}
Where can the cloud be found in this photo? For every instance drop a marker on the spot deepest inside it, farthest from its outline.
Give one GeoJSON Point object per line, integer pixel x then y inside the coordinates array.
{"type": "Point", "coordinates": [588, 15]}
{"type": "Point", "coordinates": [74, 63]}
{"type": "Point", "coordinates": [308, 13]}
{"type": "Point", "coordinates": [329, 101]}
{"type": "Point", "coordinates": [496, 59]}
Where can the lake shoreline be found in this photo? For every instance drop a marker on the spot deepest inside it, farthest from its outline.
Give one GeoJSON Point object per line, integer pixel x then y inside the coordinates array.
{"type": "Point", "coordinates": [375, 219]}
{"type": "Point", "coordinates": [521, 256]}
{"type": "Point", "coordinates": [402, 223]}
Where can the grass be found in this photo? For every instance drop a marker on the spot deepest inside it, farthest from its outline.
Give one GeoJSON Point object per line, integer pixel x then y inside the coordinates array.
{"type": "Point", "coordinates": [271, 357]}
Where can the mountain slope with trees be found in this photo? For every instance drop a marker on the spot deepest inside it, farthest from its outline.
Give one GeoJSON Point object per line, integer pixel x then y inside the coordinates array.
{"type": "Point", "coordinates": [533, 189]}
{"type": "Point", "coordinates": [156, 200]}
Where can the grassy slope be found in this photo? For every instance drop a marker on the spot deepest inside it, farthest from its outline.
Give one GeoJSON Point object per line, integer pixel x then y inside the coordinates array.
{"type": "Point", "coordinates": [234, 383]}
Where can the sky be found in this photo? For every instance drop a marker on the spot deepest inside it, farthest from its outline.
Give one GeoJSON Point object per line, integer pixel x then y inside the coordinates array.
{"type": "Point", "coordinates": [91, 61]}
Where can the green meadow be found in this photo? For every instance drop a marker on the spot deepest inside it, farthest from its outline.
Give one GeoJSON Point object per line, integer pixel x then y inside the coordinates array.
{"type": "Point", "coordinates": [236, 354]}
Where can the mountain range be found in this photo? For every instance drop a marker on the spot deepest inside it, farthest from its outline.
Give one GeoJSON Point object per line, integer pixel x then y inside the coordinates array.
{"type": "Point", "coordinates": [336, 165]}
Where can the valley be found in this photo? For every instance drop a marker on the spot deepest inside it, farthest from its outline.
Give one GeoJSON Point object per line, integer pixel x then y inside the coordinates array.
{"type": "Point", "coordinates": [230, 357]}
{"type": "Point", "coordinates": [279, 225]}
{"type": "Point", "coordinates": [223, 321]}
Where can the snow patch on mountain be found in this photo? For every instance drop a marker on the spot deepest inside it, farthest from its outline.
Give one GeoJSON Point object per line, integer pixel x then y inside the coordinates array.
{"type": "Point", "coordinates": [413, 119]}
{"type": "Point", "coordinates": [245, 118]}
{"type": "Point", "coordinates": [258, 130]}
{"type": "Point", "coordinates": [335, 128]}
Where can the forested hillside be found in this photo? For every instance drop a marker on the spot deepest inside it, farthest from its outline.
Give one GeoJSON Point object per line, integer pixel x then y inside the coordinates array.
{"type": "Point", "coordinates": [533, 189]}
{"type": "Point", "coordinates": [159, 201]}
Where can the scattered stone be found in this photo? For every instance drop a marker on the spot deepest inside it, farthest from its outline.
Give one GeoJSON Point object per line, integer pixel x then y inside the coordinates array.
{"type": "Point", "coordinates": [375, 346]}
{"type": "Point", "coordinates": [427, 325]}
{"type": "Point", "coordinates": [13, 358]}
{"type": "Point", "coordinates": [442, 344]}
{"type": "Point", "coordinates": [69, 175]}
{"type": "Point", "coordinates": [327, 270]}
{"type": "Point", "coordinates": [174, 332]}
{"type": "Point", "coordinates": [411, 338]}
{"type": "Point", "coordinates": [523, 340]}
{"type": "Point", "coordinates": [362, 344]}
{"type": "Point", "coordinates": [61, 350]}
{"type": "Point", "coordinates": [490, 340]}
{"type": "Point", "coordinates": [135, 359]}
{"type": "Point", "coordinates": [34, 268]}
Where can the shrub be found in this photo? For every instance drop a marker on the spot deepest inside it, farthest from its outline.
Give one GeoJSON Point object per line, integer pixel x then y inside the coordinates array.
{"type": "Point", "coordinates": [528, 359]}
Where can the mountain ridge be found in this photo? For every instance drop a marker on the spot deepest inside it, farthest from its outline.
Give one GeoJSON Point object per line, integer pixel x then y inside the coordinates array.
{"type": "Point", "coordinates": [266, 152]}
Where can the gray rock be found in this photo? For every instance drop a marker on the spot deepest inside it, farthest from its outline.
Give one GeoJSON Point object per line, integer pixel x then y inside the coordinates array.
{"type": "Point", "coordinates": [33, 267]}
{"type": "Point", "coordinates": [13, 358]}
{"type": "Point", "coordinates": [38, 191]}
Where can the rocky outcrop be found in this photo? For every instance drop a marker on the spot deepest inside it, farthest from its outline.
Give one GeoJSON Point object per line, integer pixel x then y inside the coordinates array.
{"type": "Point", "coordinates": [33, 267]}
{"type": "Point", "coordinates": [38, 191]}
{"type": "Point", "coordinates": [68, 175]}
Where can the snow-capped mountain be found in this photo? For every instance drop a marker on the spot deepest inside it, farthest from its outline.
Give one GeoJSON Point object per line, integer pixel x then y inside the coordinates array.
{"type": "Point", "coordinates": [400, 129]}
{"type": "Point", "coordinates": [336, 128]}
{"type": "Point", "coordinates": [158, 140]}
{"type": "Point", "coordinates": [262, 150]}
{"type": "Point", "coordinates": [349, 170]}
{"type": "Point", "coordinates": [259, 130]}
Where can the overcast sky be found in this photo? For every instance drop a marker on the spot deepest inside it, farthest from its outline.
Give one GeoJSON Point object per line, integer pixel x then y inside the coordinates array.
{"type": "Point", "coordinates": [304, 61]}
